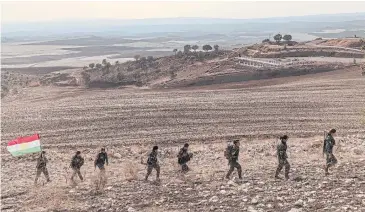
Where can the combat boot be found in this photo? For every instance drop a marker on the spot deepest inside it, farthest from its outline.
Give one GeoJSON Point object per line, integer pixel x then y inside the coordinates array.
{"type": "Point", "coordinates": [277, 174]}
{"type": "Point", "coordinates": [240, 174]}
{"type": "Point", "coordinates": [326, 171]}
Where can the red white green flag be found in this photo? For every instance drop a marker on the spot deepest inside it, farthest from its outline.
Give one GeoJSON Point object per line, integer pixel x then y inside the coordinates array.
{"type": "Point", "coordinates": [24, 145]}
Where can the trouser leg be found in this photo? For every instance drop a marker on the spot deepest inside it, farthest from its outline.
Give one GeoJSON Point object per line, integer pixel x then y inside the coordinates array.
{"type": "Point", "coordinates": [333, 160]}
{"type": "Point", "coordinates": [45, 172]}
{"type": "Point", "coordinates": [157, 171]}
{"type": "Point", "coordinates": [239, 169]}
{"type": "Point", "coordinates": [73, 174]}
{"type": "Point", "coordinates": [39, 171]}
{"type": "Point", "coordinates": [103, 176]}
{"type": "Point", "coordinates": [278, 170]}
{"type": "Point", "coordinates": [231, 168]}
{"type": "Point", "coordinates": [149, 170]}
{"type": "Point", "coordinates": [327, 166]}
{"type": "Point", "coordinates": [330, 161]}
{"type": "Point", "coordinates": [287, 168]}
{"type": "Point", "coordinates": [185, 167]}
{"type": "Point", "coordinates": [79, 173]}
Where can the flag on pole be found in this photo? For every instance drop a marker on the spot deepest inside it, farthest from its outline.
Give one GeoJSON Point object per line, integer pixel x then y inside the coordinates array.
{"type": "Point", "coordinates": [24, 145]}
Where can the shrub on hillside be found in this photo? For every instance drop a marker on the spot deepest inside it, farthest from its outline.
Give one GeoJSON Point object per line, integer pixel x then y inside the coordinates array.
{"type": "Point", "coordinates": [179, 54]}
{"type": "Point", "coordinates": [85, 77]}
{"type": "Point", "coordinates": [216, 47]}
{"type": "Point", "coordinates": [143, 59]}
{"type": "Point", "coordinates": [207, 47]}
{"type": "Point", "coordinates": [104, 62]}
{"type": "Point", "coordinates": [287, 37]}
{"type": "Point", "coordinates": [195, 47]}
{"type": "Point", "coordinates": [278, 37]}
{"type": "Point", "coordinates": [173, 74]}
{"type": "Point", "coordinates": [201, 56]}
{"type": "Point", "coordinates": [120, 77]}
{"type": "Point", "coordinates": [130, 170]}
{"type": "Point", "coordinates": [150, 58]}
{"type": "Point", "coordinates": [136, 57]}
{"type": "Point", "coordinates": [187, 49]}
{"type": "Point", "coordinates": [139, 83]}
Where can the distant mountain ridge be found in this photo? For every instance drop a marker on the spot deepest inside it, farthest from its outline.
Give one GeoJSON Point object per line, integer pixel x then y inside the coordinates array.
{"type": "Point", "coordinates": [161, 25]}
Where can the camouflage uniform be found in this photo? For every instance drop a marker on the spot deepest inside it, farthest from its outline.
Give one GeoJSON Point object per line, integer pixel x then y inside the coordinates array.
{"type": "Point", "coordinates": [233, 162]}
{"type": "Point", "coordinates": [42, 167]}
{"type": "Point", "coordinates": [282, 157]}
{"type": "Point", "coordinates": [152, 163]}
{"type": "Point", "coordinates": [183, 158]}
{"type": "Point", "coordinates": [100, 160]}
{"type": "Point", "coordinates": [76, 163]}
{"type": "Point", "coordinates": [328, 148]}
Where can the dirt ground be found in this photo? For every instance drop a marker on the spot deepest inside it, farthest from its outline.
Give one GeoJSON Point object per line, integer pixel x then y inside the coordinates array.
{"type": "Point", "coordinates": [128, 122]}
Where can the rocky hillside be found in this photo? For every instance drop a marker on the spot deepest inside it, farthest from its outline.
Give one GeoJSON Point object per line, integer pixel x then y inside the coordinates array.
{"type": "Point", "coordinates": [214, 67]}
{"type": "Point", "coordinates": [190, 70]}
{"type": "Point", "coordinates": [12, 82]}
{"type": "Point", "coordinates": [321, 48]}
{"type": "Point", "coordinates": [200, 68]}
{"type": "Point", "coordinates": [345, 42]}
{"type": "Point", "coordinates": [128, 122]}
{"type": "Point", "coordinates": [148, 71]}
{"type": "Point", "coordinates": [203, 188]}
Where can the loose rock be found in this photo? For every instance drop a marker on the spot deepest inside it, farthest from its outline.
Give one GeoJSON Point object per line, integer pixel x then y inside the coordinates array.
{"type": "Point", "coordinates": [214, 199]}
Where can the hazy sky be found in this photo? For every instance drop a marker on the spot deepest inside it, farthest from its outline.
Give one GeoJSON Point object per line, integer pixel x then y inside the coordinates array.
{"type": "Point", "coordinates": [58, 11]}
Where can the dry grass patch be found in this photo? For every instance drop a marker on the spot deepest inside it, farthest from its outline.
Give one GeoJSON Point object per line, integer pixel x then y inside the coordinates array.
{"type": "Point", "coordinates": [130, 170]}
{"type": "Point", "coordinates": [51, 198]}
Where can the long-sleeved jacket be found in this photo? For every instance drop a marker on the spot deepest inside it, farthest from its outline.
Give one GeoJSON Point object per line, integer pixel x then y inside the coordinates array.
{"type": "Point", "coordinates": [152, 158]}
{"type": "Point", "coordinates": [235, 151]}
{"type": "Point", "coordinates": [101, 158]}
{"type": "Point", "coordinates": [281, 151]}
{"type": "Point", "coordinates": [183, 156]}
{"type": "Point", "coordinates": [329, 142]}
{"type": "Point", "coordinates": [42, 161]}
{"type": "Point", "coordinates": [77, 161]}
{"type": "Point", "coordinates": [182, 153]}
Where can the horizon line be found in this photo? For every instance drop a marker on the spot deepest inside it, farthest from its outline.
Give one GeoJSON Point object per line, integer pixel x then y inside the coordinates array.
{"type": "Point", "coordinates": [180, 17]}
